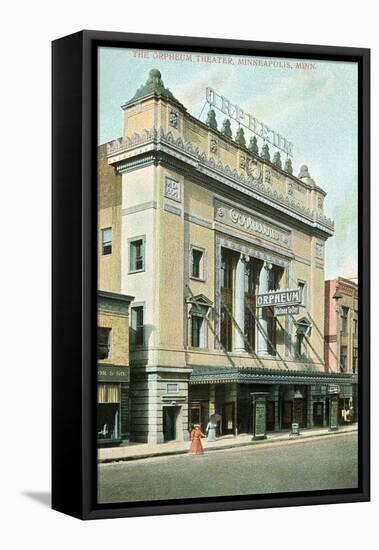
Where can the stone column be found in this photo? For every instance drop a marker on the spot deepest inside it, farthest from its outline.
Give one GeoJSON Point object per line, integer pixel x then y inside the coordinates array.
{"type": "Point", "coordinates": [239, 306]}
{"type": "Point", "coordinates": [264, 279]}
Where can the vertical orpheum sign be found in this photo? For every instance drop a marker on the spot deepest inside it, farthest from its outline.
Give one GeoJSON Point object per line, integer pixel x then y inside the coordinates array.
{"type": "Point", "coordinates": [250, 122]}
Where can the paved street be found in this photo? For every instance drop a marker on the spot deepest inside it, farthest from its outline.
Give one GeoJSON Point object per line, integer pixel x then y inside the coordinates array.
{"type": "Point", "coordinates": [314, 464]}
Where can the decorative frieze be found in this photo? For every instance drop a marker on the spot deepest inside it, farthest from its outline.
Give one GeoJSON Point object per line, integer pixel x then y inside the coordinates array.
{"type": "Point", "coordinates": [121, 150]}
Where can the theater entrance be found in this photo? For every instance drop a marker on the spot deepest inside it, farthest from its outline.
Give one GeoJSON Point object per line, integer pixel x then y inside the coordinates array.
{"type": "Point", "coordinates": [228, 419]}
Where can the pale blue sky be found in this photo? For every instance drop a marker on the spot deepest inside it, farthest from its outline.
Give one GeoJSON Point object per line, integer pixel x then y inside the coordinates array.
{"type": "Point", "coordinates": [315, 109]}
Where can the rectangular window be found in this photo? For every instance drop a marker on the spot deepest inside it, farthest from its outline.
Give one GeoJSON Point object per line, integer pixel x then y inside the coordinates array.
{"type": "Point", "coordinates": [344, 318]}
{"type": "Point", "coordinates": [197, 263]}
{"type": "Point", "coordinates": [226, 268]}
{"type": "Point", "coordinates": [226, 275]}
{"type": "Point", "coordinates": [106, 241]}
{"type": "Point", "coordinates": [343, 359]}
{"type": "Point", "coordinates": [137, 255]}
{"type": "Point", "coordinates": [198, 331]}
{"type": "Point", "coordinates": [355, 360]}
{"type": "Point", "coordinates": [137, 330]}
{"type": "Point", "coordinates": [103, 343]}
{"type": "Point", "coordinates": [252, 268]}
{"type": "Point", "coordinates": [172, 388]}
{"type": "Point", "coordinates": [300, 344]}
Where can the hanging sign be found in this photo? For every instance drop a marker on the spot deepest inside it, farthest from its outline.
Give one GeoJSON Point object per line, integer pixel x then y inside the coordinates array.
{"type": "Point", "coordinates": [333, 389]}
{"type": "Point", "coordinates": [288, 297]}
{"type": "Point", "coordinates": [286, 310]}
{"type": "Point", "coordinates": [248, 121]}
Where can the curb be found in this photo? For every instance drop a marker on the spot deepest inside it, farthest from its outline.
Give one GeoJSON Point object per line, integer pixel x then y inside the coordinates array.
{"type": "Point", "coordinates": [288, 438]}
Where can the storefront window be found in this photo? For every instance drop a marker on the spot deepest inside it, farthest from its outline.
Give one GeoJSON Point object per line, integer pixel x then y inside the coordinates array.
{"type": "Point", "coordinates": [108, 411]}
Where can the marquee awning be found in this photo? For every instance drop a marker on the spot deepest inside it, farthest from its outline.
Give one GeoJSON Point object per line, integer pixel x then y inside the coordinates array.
{"type": "Point", "coordinates": [243, 375]}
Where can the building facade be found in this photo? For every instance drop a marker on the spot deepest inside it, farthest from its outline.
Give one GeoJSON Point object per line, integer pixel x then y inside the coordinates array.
{"type": "Point", "coordinates": [113, 375]}
{"type": "Point", "coordinates": [341, 340]}
{"type": "Point", "coordinates": [199, 222]}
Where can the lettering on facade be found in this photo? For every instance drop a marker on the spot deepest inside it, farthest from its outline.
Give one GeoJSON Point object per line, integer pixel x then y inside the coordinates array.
{"type": "Point", "coordinates": [252, 224]}
{"type": "Point", "coordinates": [172, 189]}
{"type": "Point", "coordinates": [112, 374]}
{"type": "Point", "coordinates": [248, 121]}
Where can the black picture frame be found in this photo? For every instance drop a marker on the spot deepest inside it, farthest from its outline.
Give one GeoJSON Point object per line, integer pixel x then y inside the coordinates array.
{"type": "Point", "coordinates": [74, 133]}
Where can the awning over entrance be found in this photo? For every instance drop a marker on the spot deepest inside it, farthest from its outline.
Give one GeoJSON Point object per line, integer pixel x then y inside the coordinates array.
{"type": "Point", "coordinates": [224, 375]}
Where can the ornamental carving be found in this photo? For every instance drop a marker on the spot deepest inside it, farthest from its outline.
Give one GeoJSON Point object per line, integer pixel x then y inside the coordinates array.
{"type": "Point", "coordinates": [151, 138]}
{"type": "Point", "coordinates": [319, 251]}
{"type": "Point", "coordinates": [173, 119]}
{"type": "Point", "coordinates": [213, 145]}
{"type": "Point", "coordinates": [172, 189]}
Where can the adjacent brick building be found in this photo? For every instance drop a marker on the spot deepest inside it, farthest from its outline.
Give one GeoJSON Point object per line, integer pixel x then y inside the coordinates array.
{"type": "Point", "coordinates": [341, 340]}
{"type": "Point", "coordinates": [113, 377]}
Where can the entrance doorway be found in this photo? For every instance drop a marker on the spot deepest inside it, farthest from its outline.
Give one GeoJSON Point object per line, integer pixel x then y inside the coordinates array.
{"type": "Point", "coordinates": [170, 418]}
{"type": "Point", "coordinates": [300, 412]}
{"type": "Point", "coordinates": [228, 418]}
{"type": "Point", "coordinates": [318, 414]}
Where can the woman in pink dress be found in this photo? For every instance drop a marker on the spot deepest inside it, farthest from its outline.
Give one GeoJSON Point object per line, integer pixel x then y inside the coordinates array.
{"type": "Point", "coordinates": [196, 447]}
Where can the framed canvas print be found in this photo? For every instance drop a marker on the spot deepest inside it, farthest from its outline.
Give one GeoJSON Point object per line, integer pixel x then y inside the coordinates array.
{"type": "Point", "coordinates": [210, 274]}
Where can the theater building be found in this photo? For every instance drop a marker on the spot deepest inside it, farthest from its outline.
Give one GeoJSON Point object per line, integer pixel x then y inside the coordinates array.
{"type": "Point", "coordinates": [341, 341]}
{"type": "Point", "coordinates": [113, 376]}
{"type": "Point", "coordinates": [200, 222]}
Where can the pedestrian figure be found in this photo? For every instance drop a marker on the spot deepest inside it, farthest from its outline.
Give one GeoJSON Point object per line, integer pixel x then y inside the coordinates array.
{"type": "Point", "coordinates": [196, 447]}
{"type": "Point", "coordinates": [211, 430]}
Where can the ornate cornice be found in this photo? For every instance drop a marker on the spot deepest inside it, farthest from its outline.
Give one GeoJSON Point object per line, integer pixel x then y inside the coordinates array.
{"type": "Point", "coordinates": [150, 144]}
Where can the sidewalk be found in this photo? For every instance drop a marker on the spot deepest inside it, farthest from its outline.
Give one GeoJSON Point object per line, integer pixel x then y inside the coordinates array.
{"type": "Point", "coordinates": [136, 451]}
